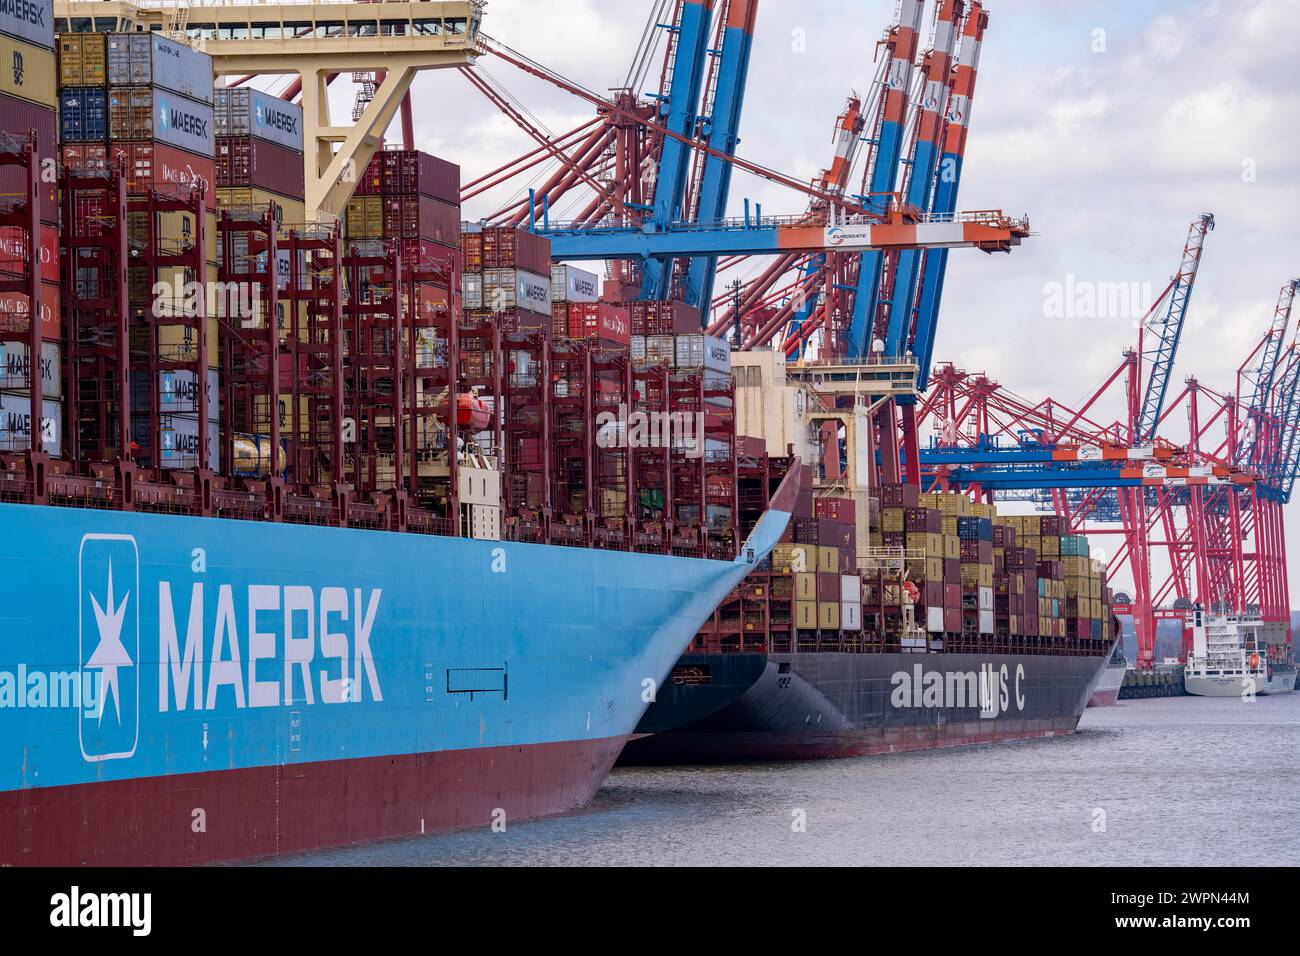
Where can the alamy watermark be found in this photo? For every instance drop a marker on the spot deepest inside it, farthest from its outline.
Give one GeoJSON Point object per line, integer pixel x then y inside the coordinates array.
{"type": "Point", "coordinates": [627, 429]}
{"type": "Point", "coordinates": [235, 301]}
{"type": "Point", "coordinates": [1077, 298]}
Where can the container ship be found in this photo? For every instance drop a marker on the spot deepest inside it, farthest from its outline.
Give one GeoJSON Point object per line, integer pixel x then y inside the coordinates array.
{"type": "Point", "coordinates": [1230, 656]}
{"type": "Point", "coordinates": [317, 531]}
{"type": "Point", "coordinates": [887, 620]}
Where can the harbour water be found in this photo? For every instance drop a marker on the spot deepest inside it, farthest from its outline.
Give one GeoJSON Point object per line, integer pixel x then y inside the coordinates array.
{"type": "Point", "coordinates": [1181, 781]}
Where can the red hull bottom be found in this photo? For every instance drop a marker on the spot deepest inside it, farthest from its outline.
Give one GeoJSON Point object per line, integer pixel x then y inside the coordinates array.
{"type": "Point", "coordinates": [707, 748]}
{"type": "Point", "coordinates": [264, 811]}
{"type": "Point", "coordinates": [1104, 698]}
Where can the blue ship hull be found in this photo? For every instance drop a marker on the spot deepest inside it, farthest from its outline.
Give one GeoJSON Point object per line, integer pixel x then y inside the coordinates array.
{"type": "Point", "coordinates": [180, 689]}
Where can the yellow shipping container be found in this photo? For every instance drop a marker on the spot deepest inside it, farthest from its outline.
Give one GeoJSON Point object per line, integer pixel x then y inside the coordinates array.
{"type": "Point", "coordinates": [365, 218]}
{"type": "Point", "coordinates": [792, 557]}
{"type": "Point", "coordinates": [28, 73]}
{"type": "Point", "coordinates": [934, 546]}
{"type": "Point", "coordinates": [952, 547]}
{"type": "Point", "coordinates": [805, 586]}
{"type": "Point", "coordinates": [828, 616]}
{"type": "Point", "coordinates": [1049, 548]}
{"type": "Point", "coordinates": [949, 526]}
{"type": "Point", "coordinates": [177, 343]}
{"type": "Point", "coordinates": [82, 59]}
{"type": "Point", "coordinates": [828, 560]}
{"type": "Point", "coordinates": [891, 519]}
{"type": "Point", "coordinates": [805, 615]}
{"type": "Point", "coordinates": [288, 211]}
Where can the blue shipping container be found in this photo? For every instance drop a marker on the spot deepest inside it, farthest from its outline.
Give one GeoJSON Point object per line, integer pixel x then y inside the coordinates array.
{"type": "Point", "coordinates": [83, 114]}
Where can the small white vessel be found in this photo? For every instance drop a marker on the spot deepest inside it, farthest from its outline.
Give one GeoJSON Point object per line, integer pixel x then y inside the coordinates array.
{"type": "Point", "coordinates": [1227, 659]}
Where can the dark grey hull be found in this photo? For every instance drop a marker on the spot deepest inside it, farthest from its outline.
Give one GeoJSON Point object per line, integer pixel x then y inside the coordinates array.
{"type": "Point", "coordinates": [818, 705]}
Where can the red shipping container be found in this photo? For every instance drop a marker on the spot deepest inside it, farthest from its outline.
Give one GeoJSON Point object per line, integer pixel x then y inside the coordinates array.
{"type": "Point", "coordinates": [410, 172]}
{"type": "Point", "coordinates": [419, 217]}
{"type": "Point", "coordinates": [836, 509]}
{"type": "Point", "coordinates": [747, 447]}
{"type": "Point", "coordinates": [431, 302]}
{"type": "Point", "coordinates": [13, 251]}
{"type": "Point", "coordinates": [152, 165]}
{"type": "Point", "coordinates": [20, 116]}
{"type": "Point", "coordinates": [85, 156]}
{"type": "Point", "coordinates": [14, 311]}
{"type": "Point", "coordinates": [245, 161]}
{"type": "Point", "coordinates": [371, 182]}
{"type": "Point", "coordinates": [601, 321]}
{"type": "Point", "coordinates": [471, 248]}
{"type": "Point", "coordinates": [507, 248]}
{"type": "Point", "coordinates": [951, 620]}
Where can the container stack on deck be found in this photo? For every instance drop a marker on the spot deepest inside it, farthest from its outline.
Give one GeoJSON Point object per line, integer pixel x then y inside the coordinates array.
{"type": "Point", "coordinates": [971, 579]}
{"type": "Point", "coordinates": [27, 101]}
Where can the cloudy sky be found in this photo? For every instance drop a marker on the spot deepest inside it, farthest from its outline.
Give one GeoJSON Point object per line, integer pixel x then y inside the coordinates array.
{"type": "Point", "coordinates": [1111, 123]}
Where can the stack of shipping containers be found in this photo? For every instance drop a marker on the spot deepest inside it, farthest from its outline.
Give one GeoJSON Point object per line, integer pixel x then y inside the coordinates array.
{"type": "Point", "coordinates": [259, 166]}
{"type": "Point", "coordinates": [144, 103]}
{"type": "Point", "coordinates": [507, 277]}
{"type": "Point", "coordinates": [28, 98]}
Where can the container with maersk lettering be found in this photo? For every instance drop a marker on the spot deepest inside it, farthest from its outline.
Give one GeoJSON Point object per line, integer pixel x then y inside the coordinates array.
{"type": "Point", "coordinates": [16, 423]}
{"type": "Point", "coordinates": [144, 113]}
{"type": "Point", "coordinates": [31, 21]}
{"type": "Point", "coordinates": [13, 368]}
{"type": "Point", "coordinates": [703, 352]}
{"type": "Point", "coordinates": [150, 59]}
{"type": "Point", "coordinates": [27, 72]}
{"type": "Point", "coordinates": [249, 112]}
{"type": "Point", "coordinates": [570, 284]}
{"type": "Point", "coordinates": [507, 289]}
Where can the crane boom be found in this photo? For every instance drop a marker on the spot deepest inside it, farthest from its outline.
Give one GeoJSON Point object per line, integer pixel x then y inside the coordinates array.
{"type": "Point", "coordinates": [1169, 331]}
{"type": "Point", "coordinates": [1254, 440]}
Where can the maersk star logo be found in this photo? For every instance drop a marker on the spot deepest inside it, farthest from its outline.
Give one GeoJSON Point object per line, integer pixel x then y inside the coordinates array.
{"type": "Point", "coordinates": [108, 592]}
{"type": "Point", "coordinates": [162, 114]}
{"type": "Point", "coordinates": [111, 653]}
{"type": "Point", "coordinates": [261, 115]}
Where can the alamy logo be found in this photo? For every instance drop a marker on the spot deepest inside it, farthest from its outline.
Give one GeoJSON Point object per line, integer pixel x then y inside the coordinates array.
{"type": "Point", "coordinates": [988, 689]}
{"type": "Point", "coordinates": [109, 627]}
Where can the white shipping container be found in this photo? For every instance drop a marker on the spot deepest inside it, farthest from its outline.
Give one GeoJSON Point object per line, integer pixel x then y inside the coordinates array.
{"type": "Point", "coordinates": [569, 284]}
{"type": "Point", "coordinates": [508, 289]}
{"type": "Point", "coordinates": [850, 617]}
{"type": "Point", "coordinates": [638, 348]}
{"type": "Point", "coordinates": [661, 349]}
{"type": "Point", "coordinates": [850, 589]}
{"type": "Point", "coordinates": [986, 599]}
{"type": "Point", "coordinates": [934, 620]}
{"type": "Point", "coordinates": [176, 393]}
{"type": "Point", "coordinates": [471, 290]}
{"type": "Point", "coordinates": [703, 351]}
{"type": "Point", "coordinates": [16, 424]}
{"type": "Point", "coordinates": [986, 622]}
{"type": "Point", "coordinates": [13, 368]}
{"type": "Point", "coordinates": [180, 442]}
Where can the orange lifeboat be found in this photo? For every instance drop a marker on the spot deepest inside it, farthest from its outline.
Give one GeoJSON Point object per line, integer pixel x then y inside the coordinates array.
{"type": "Point", "coordinates": [472, 412]}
